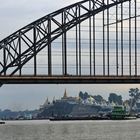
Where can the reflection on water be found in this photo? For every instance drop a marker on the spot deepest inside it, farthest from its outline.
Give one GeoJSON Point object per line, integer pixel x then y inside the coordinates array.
{"type": "Point", "coordinates": [71, 130]}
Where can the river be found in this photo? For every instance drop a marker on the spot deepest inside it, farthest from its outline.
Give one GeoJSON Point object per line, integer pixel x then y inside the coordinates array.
{"type": "Point", "coordinates": [71, 130]}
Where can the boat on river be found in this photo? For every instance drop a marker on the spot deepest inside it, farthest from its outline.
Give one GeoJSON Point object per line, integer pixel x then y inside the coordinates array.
{"type": "Point", "coordinates": [2, 122]}
{"type": "Point", "coordinates": [119, 113]}
{"type": "Point", "coordinates": [77, 118]}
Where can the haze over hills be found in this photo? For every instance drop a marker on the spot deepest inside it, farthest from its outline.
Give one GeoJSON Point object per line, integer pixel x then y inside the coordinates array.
{"type": "Point", "coordinates": [83, 104]}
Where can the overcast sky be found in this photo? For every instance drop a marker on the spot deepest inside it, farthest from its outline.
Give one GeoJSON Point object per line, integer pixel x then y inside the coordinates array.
{"type": "Point", "coordinates": [15, 14]}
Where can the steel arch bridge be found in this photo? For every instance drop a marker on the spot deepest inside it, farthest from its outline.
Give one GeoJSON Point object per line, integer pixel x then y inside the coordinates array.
{"type": "Point", "coordinates": [91, 41]}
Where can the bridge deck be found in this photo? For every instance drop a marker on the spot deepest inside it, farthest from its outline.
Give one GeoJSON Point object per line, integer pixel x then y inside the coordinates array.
{"type": "Point", "coordinates": [43, 79]}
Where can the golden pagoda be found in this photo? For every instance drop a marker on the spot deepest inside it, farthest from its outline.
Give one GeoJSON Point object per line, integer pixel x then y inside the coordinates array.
{"type": "Point", "coordinates": [65, 95]}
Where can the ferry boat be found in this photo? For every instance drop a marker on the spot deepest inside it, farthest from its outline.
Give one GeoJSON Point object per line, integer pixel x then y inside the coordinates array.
{"type": "Point", "coordinates": [118, 113]}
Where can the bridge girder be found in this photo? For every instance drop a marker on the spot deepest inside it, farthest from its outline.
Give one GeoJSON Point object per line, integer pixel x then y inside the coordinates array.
{"type": "Point", "coordinates": [42, 33]}
{"type": "Point", "coordinates": [60, 79]}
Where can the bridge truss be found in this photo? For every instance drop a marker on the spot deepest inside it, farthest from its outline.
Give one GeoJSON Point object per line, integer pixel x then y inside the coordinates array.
{"type": "Point", "coordinates": [92, 41]}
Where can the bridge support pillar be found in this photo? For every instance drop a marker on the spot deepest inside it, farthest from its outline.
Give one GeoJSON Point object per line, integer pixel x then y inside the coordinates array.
{"type": "Point", "coordinates": [64, 45]}
{"type": "Point", "coordinates": [49, 48]}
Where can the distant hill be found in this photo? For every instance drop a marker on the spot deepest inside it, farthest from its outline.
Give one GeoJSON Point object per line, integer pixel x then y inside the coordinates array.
{"type": "Point", "coordinates": [8, 114]}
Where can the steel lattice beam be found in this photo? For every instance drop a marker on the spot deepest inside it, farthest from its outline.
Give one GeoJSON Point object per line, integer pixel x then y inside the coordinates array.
{"type": "Point", "coordinates": [42, 34]}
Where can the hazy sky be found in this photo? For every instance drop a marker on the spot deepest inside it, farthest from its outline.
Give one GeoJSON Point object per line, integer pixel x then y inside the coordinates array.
{"type": "Point", "coordinates": [15, 14]}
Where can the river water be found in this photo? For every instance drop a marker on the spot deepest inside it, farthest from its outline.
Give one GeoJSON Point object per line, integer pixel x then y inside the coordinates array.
{"type": "Point", "coordinates": [71, 130]}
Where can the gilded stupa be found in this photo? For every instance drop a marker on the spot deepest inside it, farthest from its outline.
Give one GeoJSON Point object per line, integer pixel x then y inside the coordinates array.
{"type": "Point", "coordinates": [65, 95]}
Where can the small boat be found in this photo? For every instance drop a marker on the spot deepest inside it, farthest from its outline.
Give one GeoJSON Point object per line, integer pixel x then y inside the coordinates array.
{"type": "Point", "coordinates": [1, 122]}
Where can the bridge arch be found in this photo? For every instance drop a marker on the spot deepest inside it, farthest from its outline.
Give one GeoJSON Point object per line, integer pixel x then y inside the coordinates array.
{"type": "Point", "coordinates": [43, 32]}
